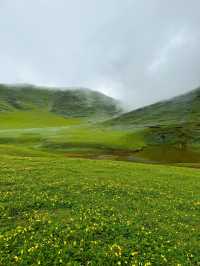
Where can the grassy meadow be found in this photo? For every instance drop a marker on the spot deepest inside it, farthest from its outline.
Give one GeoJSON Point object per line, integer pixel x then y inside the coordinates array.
{"type": "Point", "coordinates": [34, 119]}
{"type": "Point", "coordinates": [77, 193]}
{"type": "Point", "coordinates": [57, 211]}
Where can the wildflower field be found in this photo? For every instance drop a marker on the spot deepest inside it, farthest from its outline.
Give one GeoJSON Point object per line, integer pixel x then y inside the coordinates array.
{"type": "Point", "coordinates": [59, 211]}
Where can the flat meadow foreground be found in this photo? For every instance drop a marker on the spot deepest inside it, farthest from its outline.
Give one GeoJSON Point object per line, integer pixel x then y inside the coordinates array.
{"type": "Point", "coordinates": [57, 211]}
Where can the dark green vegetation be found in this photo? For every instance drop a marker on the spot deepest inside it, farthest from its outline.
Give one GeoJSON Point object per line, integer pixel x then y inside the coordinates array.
{"type": "Point", "coordinates": [84, 103]}
{"type": "Point", "coordinates": [179, 110]}
{"type": "Point", "coordinates": [55, 210]}
{"type": "Point", "coordinates": [68, 103]}
{"type": "Point", "coordinates": [83, 212]}
{"type": "Point", "coordinates": [171, 128]}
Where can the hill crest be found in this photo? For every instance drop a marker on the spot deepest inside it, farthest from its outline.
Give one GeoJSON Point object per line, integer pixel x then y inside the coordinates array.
{"type": "Point", "coordinates": [178, 110]}
{"type": "Point", "coordinates": [70, 102]}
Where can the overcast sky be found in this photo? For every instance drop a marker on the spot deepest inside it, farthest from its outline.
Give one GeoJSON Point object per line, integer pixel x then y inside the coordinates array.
{"type": "Point", "coordinates": [139, 51]}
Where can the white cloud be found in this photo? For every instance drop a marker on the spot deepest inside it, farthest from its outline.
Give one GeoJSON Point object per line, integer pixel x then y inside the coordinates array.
{"type": "Point", "coordinates": [162, 59]}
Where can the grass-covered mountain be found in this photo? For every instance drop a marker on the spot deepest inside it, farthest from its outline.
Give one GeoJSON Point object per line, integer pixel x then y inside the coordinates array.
{"type": "Point", "coordinates": [47, 119]}
{"type": "Point", "coordinates": [179, 110]}
{"type": "Point", "coordinates": [84, 103]}
{"type": "Point", "coordinates": [73, 102]}
{"type": "Point", "coordinates": [170, 129]}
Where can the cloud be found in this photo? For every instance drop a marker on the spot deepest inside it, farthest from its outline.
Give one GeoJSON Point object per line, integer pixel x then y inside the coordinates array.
{"type": "Point", "coordinates": [175, 43]}
{"type": "Point", "coordinates": [162, 59]}
{"type": "Point", "coordinates": [138, 51]}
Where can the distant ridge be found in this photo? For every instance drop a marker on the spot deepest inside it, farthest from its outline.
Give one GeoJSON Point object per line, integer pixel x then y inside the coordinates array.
{"type": "Point", "coordinates": [68, 102]}
{"type": "Point", "coordinates": [178, 110]}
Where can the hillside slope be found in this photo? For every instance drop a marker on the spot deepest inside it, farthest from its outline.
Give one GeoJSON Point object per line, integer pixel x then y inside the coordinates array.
{"type": "Point", "coordinates": [22, 98]}
{"type": "Point", "coordinates": [69, 103]}
{"type": "Point", "coordinates": [179, 110]}
{"type": "Point", "coordinates": [84, 103]}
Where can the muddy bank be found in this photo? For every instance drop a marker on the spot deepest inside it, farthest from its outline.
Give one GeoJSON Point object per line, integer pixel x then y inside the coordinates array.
{"type": "Point", "coordinates": [164, 155]}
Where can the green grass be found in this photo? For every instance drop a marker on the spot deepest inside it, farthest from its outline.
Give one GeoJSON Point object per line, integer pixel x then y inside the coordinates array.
{"type": "Point", "coordinates": [89, 141]}
{"type": "Point", "coordinates": [60, 211]}
{"type": "Point", "coordinates": [34, 119]}
{"type": "Point", "coordinates": [78, 137]}
{"type": "Point", "coordinates": [95, 138]}
{"type": "Point", "coordinates": [12, 149]}
{"type": "Point", "coordinates": [82, 212]}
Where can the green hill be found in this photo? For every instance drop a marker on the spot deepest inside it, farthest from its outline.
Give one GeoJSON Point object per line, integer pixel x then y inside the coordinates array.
{"type": "Point", "coordinates": [84, 103]}
{"type": "Point", "coordinates": [179, 110]}
{"type": "Point", "coordinates": [71, 102]}
{"type": "Point", "coordinates": [170, 129]}
{"type": "Point", "coordinates": [167, 132]}
{"type": "Point", "coordinates": [23, 98]}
